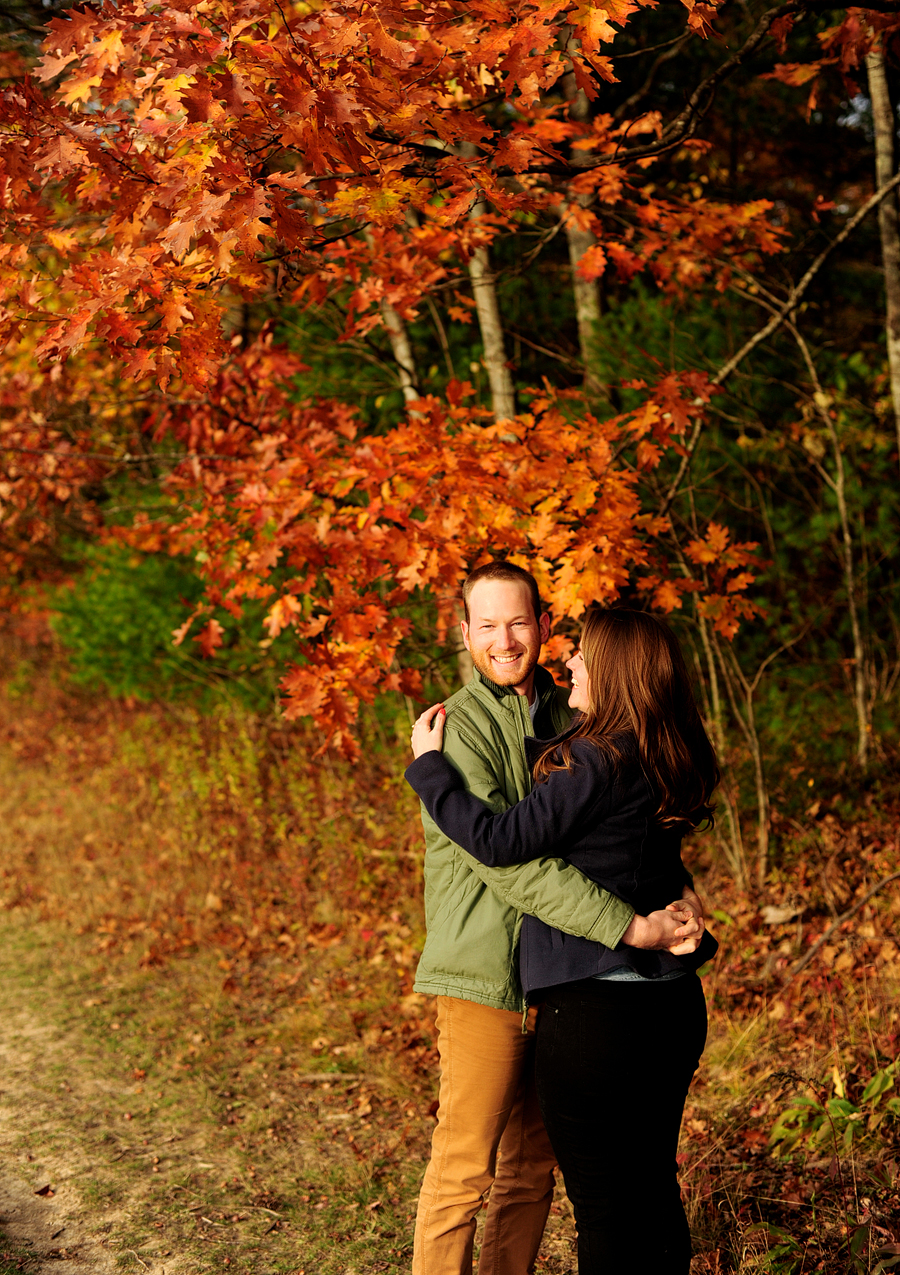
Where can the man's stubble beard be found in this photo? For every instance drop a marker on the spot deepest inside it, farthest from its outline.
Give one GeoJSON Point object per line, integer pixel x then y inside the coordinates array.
{"type": "Point", "coordinates": [482, 662]}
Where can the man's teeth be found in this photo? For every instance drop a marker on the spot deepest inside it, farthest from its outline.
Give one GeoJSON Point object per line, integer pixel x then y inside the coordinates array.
{"type": "Point", "coordinates": [506, 659]}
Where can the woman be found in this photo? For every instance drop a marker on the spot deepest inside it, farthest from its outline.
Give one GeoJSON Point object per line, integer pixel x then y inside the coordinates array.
{"type": "Point", "coordinates": [620, 1032]}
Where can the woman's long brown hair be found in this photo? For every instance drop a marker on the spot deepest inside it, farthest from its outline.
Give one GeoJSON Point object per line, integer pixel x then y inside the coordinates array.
{"type": "Point", "coordinates": [639, 686]}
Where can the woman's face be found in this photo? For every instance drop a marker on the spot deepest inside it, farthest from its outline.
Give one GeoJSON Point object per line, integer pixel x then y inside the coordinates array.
{"type": "Point", "coordinates": [579, 697]}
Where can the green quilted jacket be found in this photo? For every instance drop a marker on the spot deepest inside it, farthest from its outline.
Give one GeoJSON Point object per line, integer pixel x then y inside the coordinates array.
{"type": "Point", "coordinates": [473, 913]}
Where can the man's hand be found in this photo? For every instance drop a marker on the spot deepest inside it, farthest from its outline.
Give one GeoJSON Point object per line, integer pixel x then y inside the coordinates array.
{"type": "Point", "coordinates": [428, 733]}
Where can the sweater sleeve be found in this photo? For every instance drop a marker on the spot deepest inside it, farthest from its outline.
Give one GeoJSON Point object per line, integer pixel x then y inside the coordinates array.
{"type": "Point", "coordinates": [543, 823]}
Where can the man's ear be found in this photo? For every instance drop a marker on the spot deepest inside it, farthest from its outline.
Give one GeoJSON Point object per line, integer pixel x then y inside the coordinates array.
{"type": "Point", "coordinates": [464, 630]}
{"type": "Point", "coordinates": [544, 626]}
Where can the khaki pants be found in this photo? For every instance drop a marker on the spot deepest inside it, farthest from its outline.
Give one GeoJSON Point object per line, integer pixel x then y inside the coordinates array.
{"type": "Point", "coordinates": [489, 1137]}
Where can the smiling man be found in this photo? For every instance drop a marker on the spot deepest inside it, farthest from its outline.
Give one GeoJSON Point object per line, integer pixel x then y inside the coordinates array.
{"type": "Point", "coordinates": [504, 628]}
{"type": "Point", "coordinates": [489, 1134]}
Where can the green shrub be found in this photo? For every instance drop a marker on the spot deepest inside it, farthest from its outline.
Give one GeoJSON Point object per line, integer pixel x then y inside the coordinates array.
{"type": "Point", "coordinates": [116, 620]}
{"type": "Point", "coordinates": [834, 1123]}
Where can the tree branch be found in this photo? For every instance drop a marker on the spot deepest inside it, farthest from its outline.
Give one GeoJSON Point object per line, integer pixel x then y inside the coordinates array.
{"type": "Point", "coordinates": [774, 323]}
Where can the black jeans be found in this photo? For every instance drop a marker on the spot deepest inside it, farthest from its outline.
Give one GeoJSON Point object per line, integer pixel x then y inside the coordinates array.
{"type": "Point", "coordinates": [613, 1066]}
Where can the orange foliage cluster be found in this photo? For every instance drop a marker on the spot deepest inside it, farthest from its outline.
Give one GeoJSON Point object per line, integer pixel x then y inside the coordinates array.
{"type": "Point", "coordinates": [211, 150]}
{"type": "Point", "coordinates": [61, 433]}
{"type": "Point", "coordinates": [844, 47]}
{"type": "Point", "coordinates": [336, 529]}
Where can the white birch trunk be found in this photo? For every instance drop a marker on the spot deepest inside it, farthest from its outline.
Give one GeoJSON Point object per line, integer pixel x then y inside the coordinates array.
{"type": "Point", "coordinates": [402, 352]}
{"type": "Point", "coordinates": [885, 125]}
{"type": "Point", "coordinates": [484, 290]}
{"type": "Point", "coordinates": [401, 348]}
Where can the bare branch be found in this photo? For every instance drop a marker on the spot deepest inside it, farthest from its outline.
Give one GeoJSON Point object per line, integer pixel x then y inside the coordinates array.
{"type": "Point", "coordinates": [774, 323]}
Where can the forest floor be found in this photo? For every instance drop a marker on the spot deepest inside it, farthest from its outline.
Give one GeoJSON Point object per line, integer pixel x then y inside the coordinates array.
{"type": "Point", "coordinates": [212, 1058]}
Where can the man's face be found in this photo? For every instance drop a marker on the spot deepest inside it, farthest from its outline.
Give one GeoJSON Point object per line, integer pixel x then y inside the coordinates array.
{"type": "Point", "coordinates": [503, 634]}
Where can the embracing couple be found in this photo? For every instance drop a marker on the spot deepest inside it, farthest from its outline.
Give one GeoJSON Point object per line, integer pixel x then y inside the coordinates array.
{"type": "Point", "coordinates": [563, 937]}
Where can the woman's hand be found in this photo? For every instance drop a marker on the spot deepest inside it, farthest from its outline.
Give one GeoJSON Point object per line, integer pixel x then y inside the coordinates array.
{"type": "Point", "coordinates": [689, 902]}
{"type": "Point", "coordinates": [428, 733]}
{"type": "Point", "coordinates": [691, 933]}
{"type": "Point", "coordinates": [665, 930]}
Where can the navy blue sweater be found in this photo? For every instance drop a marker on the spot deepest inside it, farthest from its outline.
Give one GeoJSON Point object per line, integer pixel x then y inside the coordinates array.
{"type": "Point", "coordinates": [598, 816]}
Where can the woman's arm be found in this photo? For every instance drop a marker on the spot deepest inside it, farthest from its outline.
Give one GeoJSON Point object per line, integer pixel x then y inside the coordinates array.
{"type": "Point", "coordinates": [548, 888]}
{"type": "Point", "coordinates": [544, 821]}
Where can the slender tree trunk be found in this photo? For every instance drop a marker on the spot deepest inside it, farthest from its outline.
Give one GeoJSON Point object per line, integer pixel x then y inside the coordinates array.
{"type": "Point", "coordinates": [586, 291]}
{"type": "Point", "coordinates": [734, 846]}
{"type": "Point", "coordinates": [885, 126]}
{"type": "Point", "coordinates": [860, 697]}
{"type": "Point", "coordinates": [402, 351]}
{"type": "Point", "coordinates": [401, 347]}
{"type": "Point", "coordinates": [587, 304]}
{"type": "Point", "coordinates": [484, 289]}
{"type": "Point", "coordinates": [839, 487]}
{"type": "Point", "coordinates": [736, 679]}
{"type": "Point", "coordinates": [746, 719]}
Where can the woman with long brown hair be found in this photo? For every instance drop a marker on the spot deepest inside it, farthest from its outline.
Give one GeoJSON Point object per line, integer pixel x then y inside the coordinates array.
{"type": "Point", "coordinates": [620, 1031]}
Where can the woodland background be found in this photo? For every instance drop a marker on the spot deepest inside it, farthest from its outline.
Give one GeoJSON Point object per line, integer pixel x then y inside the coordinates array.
{"type": "Point", "coordinates": [309, 309]}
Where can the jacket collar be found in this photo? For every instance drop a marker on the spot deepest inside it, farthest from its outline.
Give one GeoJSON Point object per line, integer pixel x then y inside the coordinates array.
{"type": "Point", "coordinates": [544, 685]}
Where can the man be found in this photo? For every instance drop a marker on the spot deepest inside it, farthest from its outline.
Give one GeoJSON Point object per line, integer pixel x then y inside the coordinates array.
{"type": "Point", "coordinates": [489, 1135]}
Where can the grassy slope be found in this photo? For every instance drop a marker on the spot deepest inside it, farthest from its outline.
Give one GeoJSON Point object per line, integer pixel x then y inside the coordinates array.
{"type": "Point", "coordinates": [199, 901]}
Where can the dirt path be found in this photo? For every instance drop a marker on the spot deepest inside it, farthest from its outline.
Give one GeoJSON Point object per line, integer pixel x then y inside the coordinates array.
{"type": "Point", "coordinates": [50, 1113]}
{"type": "Point", "coordinates": [120, 1151]}
{"type": "Point", "coordinates": [93, 1177]}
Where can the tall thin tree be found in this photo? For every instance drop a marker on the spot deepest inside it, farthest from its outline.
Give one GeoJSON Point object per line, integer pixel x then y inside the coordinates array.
{"type": "Point", "coordinates": [885, 124]}
{"type": "Point", "coordinates": [484, 290]}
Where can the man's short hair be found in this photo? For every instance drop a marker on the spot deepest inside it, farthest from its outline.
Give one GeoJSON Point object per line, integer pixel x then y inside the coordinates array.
{"type": "Point", "coordinates": [500, 569]}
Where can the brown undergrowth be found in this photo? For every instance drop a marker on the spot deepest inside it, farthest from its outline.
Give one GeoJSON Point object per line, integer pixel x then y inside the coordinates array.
{"type": "Point", "coordinates": [155, 834]}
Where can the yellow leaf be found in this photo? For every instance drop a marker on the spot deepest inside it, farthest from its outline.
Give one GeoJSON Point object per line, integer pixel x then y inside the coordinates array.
{"type": "Point", "coordinates": [79, 90]}
{"type": "Point", "coordinates": [107, 50]}
{"type": "Point", "coordinates": [61, 240]}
